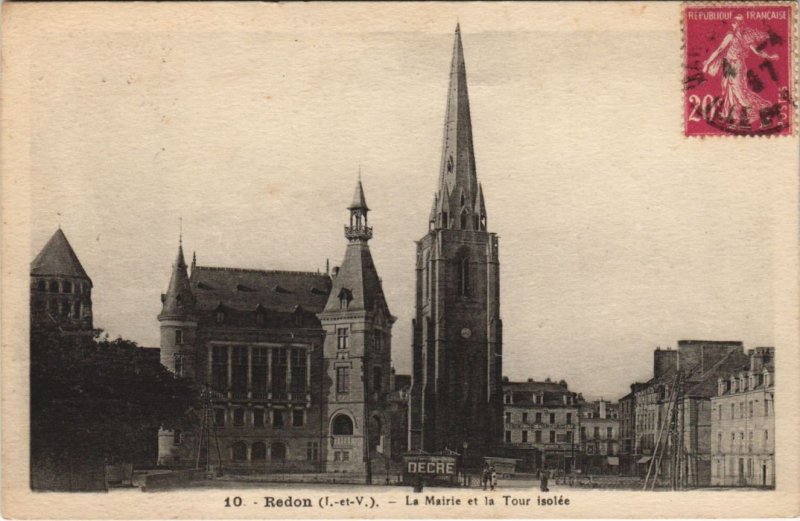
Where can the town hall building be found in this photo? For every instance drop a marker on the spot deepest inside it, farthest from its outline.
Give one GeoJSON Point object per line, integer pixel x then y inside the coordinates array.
{"type": "Point", "coordinates": [297, 364]}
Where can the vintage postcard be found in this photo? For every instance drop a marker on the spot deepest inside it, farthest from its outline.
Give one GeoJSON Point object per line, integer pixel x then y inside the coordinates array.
{"type": "Point", "coordinates": [400, 260]}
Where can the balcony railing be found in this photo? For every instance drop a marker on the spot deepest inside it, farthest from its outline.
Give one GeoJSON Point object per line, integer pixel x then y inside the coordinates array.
{"type": "Point", "coordinates": [358, 232]}
{"type": "Point", "coordinates": [342, 442]}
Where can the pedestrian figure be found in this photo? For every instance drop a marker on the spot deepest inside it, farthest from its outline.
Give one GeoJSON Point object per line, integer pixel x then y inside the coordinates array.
{"type": "Point", "coordinates": [493, 477]}
{"type": "Point", "coordinates": [485, 476]}
{"type": "Point", "coordinates": [543, 482]}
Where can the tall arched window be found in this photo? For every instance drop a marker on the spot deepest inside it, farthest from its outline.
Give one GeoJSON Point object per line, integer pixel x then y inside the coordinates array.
{"type": "Point", "coordinates": [278, 451]}
{"type": "Point", "coordinates": [426, 275]}
{"type": "Point", "coordinates": [258, 452]}
{"type": "Point", "coordinates": [239, 451]}
{"type": "Point", "coordinates": [463, 276]}
{"type": "Point", "coordinates": [342, 425]}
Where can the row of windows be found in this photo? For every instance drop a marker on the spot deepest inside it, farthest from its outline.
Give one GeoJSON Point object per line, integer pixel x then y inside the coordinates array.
{"type": "Point", "coordinates": [539, 416]}
{"type": "Point", "coordinates": [609, 433]}
{"type": "Point", "coordinates": [64, 287]}
{"type": "Point", "coordinates": [267, 365]}
{"type": "Point", "coordinates": [742, 468]}
{"type": "Point", "coordinates": [553, 437]}
{"type": "Point", "coordinates": [278, 418]}
{"type": "Point", "coordinates": [260, 315]}
{"type": "Point", "coordinates": [539, 398]}
{"type": "Point", "coordinates": [744, 409]}
{"type": "Point", "coordinates": [744, 382]}
{"type": "Point", "coordinates": [737, 443]}
{"type": "Point", "coordinates": [62, 308]}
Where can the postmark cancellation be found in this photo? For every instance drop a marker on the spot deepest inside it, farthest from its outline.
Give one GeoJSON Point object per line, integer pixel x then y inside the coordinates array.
{"type": "Point", "coordinates": [739, 62]}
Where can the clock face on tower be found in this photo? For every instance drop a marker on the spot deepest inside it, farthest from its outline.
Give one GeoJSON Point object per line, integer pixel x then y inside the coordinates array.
{"type": "Point", "coordinates": [466, 332]}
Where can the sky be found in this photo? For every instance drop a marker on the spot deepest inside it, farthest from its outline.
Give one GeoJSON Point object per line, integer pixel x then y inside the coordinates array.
{"type": "Point", "coordinates": [617, 234]}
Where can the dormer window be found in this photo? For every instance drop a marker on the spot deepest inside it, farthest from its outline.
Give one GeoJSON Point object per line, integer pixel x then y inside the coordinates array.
{"type": "Point", "coordinates": [260, 315]}
{"type": "Point", "coordinates": [345, 296]}
{"type": "Point", "coordinates": [219, 317]}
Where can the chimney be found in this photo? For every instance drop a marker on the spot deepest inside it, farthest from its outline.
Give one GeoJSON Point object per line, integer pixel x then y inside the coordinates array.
{"type": "Point", "coordinates": [663, 361]}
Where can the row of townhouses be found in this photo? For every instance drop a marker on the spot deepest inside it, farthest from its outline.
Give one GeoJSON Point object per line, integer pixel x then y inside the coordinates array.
{"type": "Point", "coordinates": [705, 418]}
{"type": "Point", "coordinates": [549, 427]}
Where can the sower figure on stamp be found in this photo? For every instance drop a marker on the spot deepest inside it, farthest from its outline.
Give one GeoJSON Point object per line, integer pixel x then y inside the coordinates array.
{"type": "Point", "coordinates": [730, 56]}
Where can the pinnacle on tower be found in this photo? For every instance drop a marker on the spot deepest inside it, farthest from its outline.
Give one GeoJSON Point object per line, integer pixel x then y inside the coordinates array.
{"type": "Point", "coordinates": [458, 181]}
{"type": "Point", "coordinates": [358, 229]}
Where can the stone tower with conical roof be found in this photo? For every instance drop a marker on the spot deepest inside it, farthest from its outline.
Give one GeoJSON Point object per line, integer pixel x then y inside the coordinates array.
{"type": "Point", "coordinates": [457, 343]}
{"type": "Point", "coordinates": [61, 291]}
{"type": "Point", "coordinates": [178, 324]}
{"type": "Point", "coordinates": [357, 354]}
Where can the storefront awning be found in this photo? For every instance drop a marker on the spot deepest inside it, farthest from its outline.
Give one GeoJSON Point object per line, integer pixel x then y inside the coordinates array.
{"type": "Point", "coordinates": [644, 459]}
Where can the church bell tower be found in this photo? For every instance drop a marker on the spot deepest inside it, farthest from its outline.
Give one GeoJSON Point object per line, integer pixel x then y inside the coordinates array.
{"type": "Point", "coordinates": [457, 332]}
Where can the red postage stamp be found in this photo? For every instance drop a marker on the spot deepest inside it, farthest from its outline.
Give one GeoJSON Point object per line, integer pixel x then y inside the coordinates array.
{"type": "Point", "coordinates": [738, 69]}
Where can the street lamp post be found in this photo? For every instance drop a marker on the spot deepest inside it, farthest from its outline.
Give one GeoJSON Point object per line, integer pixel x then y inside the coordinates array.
{"type": "Point", "coordinates": [464, 448]}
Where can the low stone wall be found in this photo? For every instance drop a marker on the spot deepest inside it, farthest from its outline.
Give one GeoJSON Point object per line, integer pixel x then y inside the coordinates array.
{"type": "Point", "coordinates": [322, 477]}
{"type": "Point", "coordinates": [173, 479]}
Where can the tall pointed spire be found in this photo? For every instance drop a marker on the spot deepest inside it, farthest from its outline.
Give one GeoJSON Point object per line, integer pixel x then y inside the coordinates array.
{"type": "Point", "coordinates": [458, 181]}
{"type": "Point", "coordinates": [178, 300]}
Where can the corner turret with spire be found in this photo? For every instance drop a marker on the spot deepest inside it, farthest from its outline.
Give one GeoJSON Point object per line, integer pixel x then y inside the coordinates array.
{"type": "Point", "coordinates": [178, 301]}
{"type": "Point", "coordinates": [357, 349]}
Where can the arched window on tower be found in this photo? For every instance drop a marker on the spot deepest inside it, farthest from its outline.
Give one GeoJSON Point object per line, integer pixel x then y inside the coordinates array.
{"type": "Point", "coordinates": [342, 425]}
{"type": "Point", "coordinates": [464, 220]}
{"type": "Point", "coordinates": [463, 276]}
{"type": "Point", "coordinates": [426, 274]}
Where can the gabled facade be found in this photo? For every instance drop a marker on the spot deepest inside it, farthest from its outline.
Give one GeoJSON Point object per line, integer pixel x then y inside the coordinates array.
{"type": "Point", "coordinates": [266, 346]}
{"type": "Point", "coordinates": [456, 399]}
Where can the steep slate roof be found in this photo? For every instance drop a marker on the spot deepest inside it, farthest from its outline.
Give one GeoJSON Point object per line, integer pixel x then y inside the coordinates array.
{"type": "Point", "coordinates": [359, 276]}
{"type": "Point", "coordinates": [245, 289]}
{"type": "Point", "coordinates": [534, 386]}
{"type": "Point", "coordinates": [178, 300]}
{"type": "Point", "coordinates": [359, 201]}
{"type": "Point", "coordinates": [705, 384]}
{"type": "Point", "coordinates": [58, 258]}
